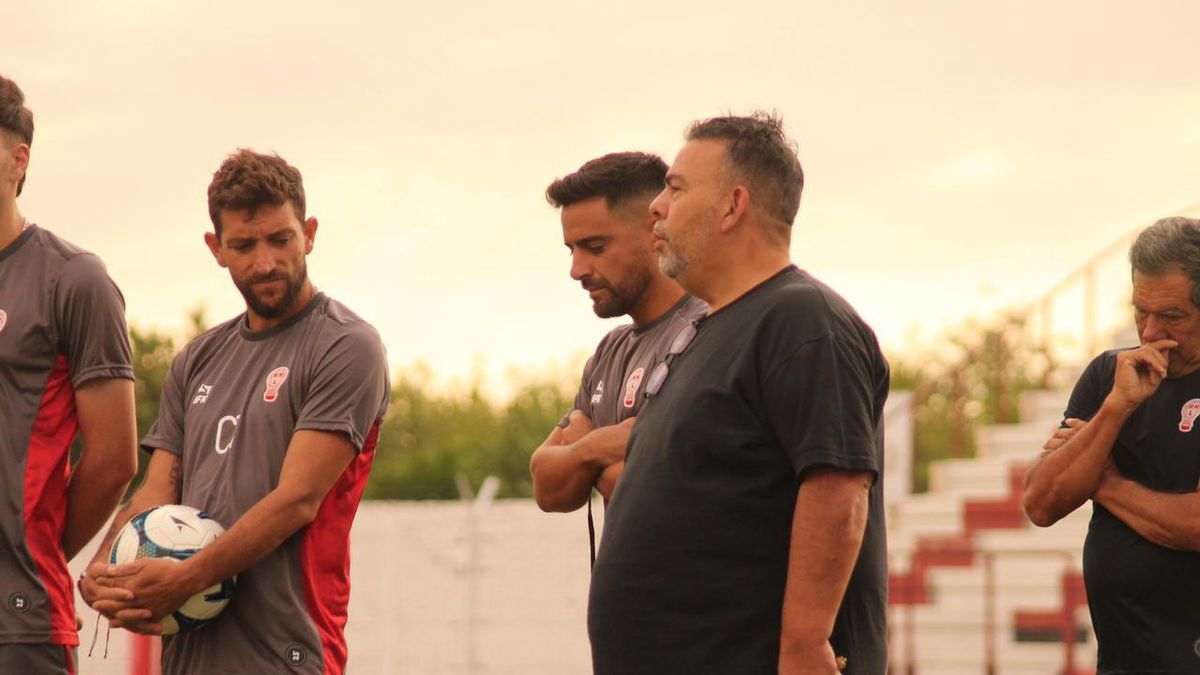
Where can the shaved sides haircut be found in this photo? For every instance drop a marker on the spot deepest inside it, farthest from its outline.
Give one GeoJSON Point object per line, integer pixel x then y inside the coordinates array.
{"type": "Point", "coordinates": [618, 177]}
{"type": "Point", "coordinates": [760, 154]}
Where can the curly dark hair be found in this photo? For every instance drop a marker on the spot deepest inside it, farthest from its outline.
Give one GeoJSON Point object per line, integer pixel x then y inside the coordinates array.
{"type": "Point", "coordinates": [761, 155]}
{"type": "Point", "coordinates": [618, 177]}
{"type": "Point", "coordinates": [15, 119]}
{"type": "Point", "coordinates": [248, 180]}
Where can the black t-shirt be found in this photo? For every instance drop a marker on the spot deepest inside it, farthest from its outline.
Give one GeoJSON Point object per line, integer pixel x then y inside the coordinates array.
{"type": "Point", "coordinates": [1144, 598]}
{"type": "Point", "coordinates": [691, 573]}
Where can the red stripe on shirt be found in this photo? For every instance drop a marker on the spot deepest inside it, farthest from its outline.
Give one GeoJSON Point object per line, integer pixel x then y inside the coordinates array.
{"type": "Point", "coordinates": [325, 556]}
{"type": "Point", "coordinates": [47, 467]}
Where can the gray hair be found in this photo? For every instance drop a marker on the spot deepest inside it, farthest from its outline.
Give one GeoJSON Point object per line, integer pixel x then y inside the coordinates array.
{"type": "Point", "coordinates": [1168, 245]}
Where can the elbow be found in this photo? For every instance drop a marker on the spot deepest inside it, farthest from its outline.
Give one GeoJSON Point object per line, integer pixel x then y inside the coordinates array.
{"type": "Point", "coordinates": [114, 473]}
{"type": "Point", "coordinates": [1037, 510]}
{"type": "Point", "coordinates": [126, 471]}
{"type": "Point", "coordinates": [550, 503]}
{"type": "Point", "coordinates": [304, 511]}
{"type": "Point", "coordinates": [555, 501]}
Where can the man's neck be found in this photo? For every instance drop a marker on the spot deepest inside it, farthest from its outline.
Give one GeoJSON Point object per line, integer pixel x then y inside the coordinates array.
{"type": "Point", "coordinates": [11, 223]}
{"type": "Point", "coordinates": [660, 296]}
{"type": "Point", "coordinates": [743, 274]}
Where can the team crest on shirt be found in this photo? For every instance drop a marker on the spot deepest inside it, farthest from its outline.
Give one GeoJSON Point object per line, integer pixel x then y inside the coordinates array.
{"type": "Point", "coordinates": [631, 386]}
{"type": "Point", "coordinates": [274, 381]}
{"type": "Point", "coordinates": [3, 319]}
{"type": "Point", "coordinates": [599, 393]}
{"type": "Point", "coordinates": [1187, 415]}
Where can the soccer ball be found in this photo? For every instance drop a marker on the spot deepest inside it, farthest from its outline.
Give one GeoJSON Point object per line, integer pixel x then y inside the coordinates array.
{"type": "Point", "coordinates": [176, 532]}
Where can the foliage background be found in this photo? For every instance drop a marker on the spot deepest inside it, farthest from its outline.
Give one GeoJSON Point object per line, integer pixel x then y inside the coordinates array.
{"type": "Point", "coordinates": [433, 434]}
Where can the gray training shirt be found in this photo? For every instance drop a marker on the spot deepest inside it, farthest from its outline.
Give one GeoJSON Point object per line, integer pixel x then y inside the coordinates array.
{"type": "Point", "coordinates": [62, 324]}
{"type": "Point", "coordinates": [614, 378]}
{"type": "Point", "coordinates": [230, 404]}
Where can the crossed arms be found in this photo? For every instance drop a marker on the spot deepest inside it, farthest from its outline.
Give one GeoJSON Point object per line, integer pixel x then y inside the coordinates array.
{"type": "Point", "coordinates": [575, 458]}
{"type": "Point", "coordinates": [1076, 465]}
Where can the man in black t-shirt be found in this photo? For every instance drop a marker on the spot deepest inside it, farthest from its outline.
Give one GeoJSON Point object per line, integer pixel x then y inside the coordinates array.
{"type": "Point", "coordinates": [607, 227]}
{"type": "Point", "coordinates": [1127, 444]}
{"type": "Point", "coordinates": [747, 532]}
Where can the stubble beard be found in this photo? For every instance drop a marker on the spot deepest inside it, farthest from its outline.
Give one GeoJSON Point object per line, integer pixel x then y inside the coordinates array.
{"type": "Point", "coordinates": [624, 297]}
{"type": "Point", "coordinates": [271, 310]}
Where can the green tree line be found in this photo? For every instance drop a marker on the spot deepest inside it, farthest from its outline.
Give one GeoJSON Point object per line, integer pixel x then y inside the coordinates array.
{"type": "Point", "coordinates": [432, 435]}
{"type": "Point", "coordinates": [975, 379]}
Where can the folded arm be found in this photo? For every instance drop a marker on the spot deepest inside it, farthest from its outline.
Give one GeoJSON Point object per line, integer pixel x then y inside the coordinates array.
{"type": "Point", "coordinates": [572, 460]}
{"type": "Point", "coordinates": [1170, 520]}
{"type": "Point", "coordinates": [1067, 474]}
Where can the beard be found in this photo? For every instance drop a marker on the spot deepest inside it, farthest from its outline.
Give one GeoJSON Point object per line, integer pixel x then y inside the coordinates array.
{"type": "Point", "coordinates": [271, 309]}
{"type": "Point", "coordinates": [623, 297]}
{"type": "Point", "coordinates": [672, 263]}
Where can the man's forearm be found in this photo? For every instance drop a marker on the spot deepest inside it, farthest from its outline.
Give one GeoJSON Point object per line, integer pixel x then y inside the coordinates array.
{"type": "Point", "coordinates": [163, 476]}
{"type": "Point", "coordinates": [563, 476]}
{"type": "Point", "coordinates": [107, 425]}
{"type": "Point", "coordinates": [259, 531]}
{"type": "Point", "coordinates": [1170, 520]}
{"type": "Point", "coordinates": [827, 531]}
{"type": "Point", "coordinates": [91, 496]}
{"type": "Point", "coordinates": [564, 473]}
{"type": "Point", "coordinates": [1064, 478]}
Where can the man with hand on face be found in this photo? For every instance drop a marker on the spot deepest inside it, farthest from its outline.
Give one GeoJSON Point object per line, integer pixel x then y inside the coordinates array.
{"type": "Point", "coordinates": [607, 227]}
{"type": "Point", "coordinates": [269, 423]}
{"type": "Point", "coordinates": [747, 533]}
{"type": "Point", "coordinates": [64, 367]}
{"type": "Point", "coordinates": [1129, 444]}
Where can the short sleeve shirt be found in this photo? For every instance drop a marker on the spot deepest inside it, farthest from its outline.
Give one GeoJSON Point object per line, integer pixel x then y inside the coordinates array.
{"type": "Point", "coordinates": [232, 401]}
{"type": "Point", "coordinates": [1144, 597]}
{"type": "Point", "coordinates": [62, 325]}
{"type": "Point", "coordinates": [691, 572]}
{"type": "Point", "coordinates": [614, 378]}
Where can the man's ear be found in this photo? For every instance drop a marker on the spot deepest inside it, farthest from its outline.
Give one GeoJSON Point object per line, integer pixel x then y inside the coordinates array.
{"type": "Point", "coordinates": [735, 207]}
{"type": "Point", "coordinates": [310, 234]}
{"type": "Point", "coordinates": [214, 245]}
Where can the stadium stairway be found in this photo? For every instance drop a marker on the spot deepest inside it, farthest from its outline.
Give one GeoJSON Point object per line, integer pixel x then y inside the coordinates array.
{"type": "Point", "coordinates": [974, 586]}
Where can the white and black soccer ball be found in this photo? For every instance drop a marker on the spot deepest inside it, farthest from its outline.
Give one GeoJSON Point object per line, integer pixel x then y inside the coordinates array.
{"type": "Point", "coordinates": [176, 532]}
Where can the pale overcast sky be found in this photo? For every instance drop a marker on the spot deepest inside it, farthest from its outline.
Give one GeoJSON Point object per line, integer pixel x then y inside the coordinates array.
{"type": "Point", "coordinates": [960, 157]}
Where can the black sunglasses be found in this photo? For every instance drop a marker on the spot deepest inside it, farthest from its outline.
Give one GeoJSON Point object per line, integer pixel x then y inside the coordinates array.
{"type": "Point", "coordinates": [681, 342]}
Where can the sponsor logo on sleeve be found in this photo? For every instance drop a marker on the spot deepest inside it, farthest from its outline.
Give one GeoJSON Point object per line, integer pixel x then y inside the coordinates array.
{"type": "Point", "coordinates": [599, 394]}
{"type": "Point", "coordinates": [3, 319]}
{"type": "Point", "coordinates": [631, 386]}
{"type": "Point", "coordinates": [295, 655]}
{"type": "Point", "coordinates": [1187, 415]}
{"type": "Point", "coordinates": [202, 393]}
{"type": "Point", "coordinates": [19, 602]}
{"type": "Point", "coordinates": [274, 381]}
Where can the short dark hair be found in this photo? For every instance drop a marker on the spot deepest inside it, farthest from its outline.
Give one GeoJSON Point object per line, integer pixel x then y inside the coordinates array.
{"type": "Point", "coordinates": [1167, 245]}
{"type": "Point", "coordinates": [618, 177]}
{"type": "Point", "coordinates": [15, 118]}
{"type": "Point", "coordinates": [761, 155]}
{"type": "Point", "coordinates": [248, 180]}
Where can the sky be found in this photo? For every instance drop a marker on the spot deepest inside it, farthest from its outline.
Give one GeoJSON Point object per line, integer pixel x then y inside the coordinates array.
{"type": "Point", "coordinates": [960, 158]}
